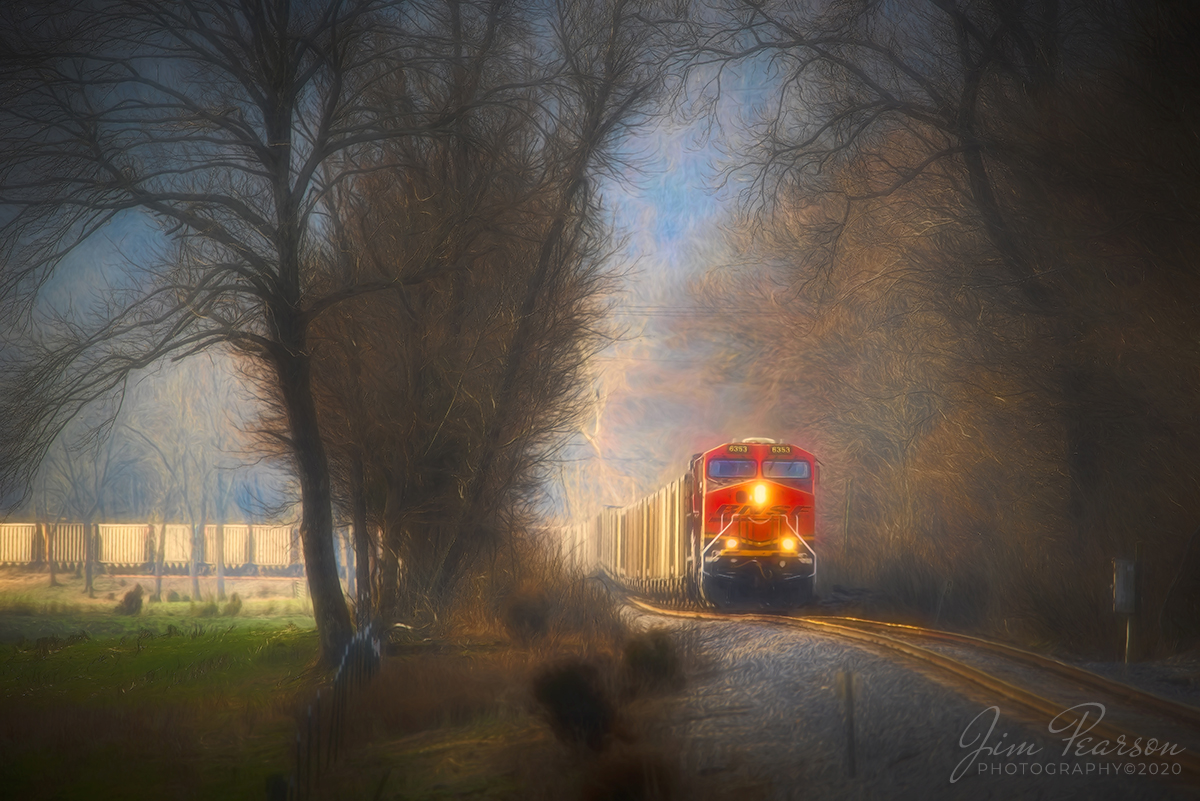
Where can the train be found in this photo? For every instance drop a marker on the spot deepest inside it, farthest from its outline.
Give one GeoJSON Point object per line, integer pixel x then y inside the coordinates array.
{"type": "Point", "coordinates": [247, 549]}
{"type": "Point", "coordinates": [738, 529]}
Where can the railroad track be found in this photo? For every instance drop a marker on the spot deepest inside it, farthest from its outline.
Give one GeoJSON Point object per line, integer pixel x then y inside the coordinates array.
{"type": "Point", "coordinates": [1002, 670]}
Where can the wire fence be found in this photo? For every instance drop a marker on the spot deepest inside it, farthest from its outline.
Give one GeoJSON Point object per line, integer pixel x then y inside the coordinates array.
{"type": "Point", "coordinates": [320, 735]}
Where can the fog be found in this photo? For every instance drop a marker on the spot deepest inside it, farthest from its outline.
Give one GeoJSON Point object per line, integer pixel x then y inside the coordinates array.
{"type": "Point", "coordinates": [950, 250]}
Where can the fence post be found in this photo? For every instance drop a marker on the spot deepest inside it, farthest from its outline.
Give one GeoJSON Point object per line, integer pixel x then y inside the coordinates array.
{"type": "Point", "coordinates": [846, 515]}
{"type": "Point", "coordinates": [846, 685]}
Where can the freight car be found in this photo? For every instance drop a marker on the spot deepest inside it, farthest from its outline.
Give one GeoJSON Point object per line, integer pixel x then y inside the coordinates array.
{"type": "Point", "coordinates": [247, 548]}
{"type": "Point", "coordinates": [736, 530]}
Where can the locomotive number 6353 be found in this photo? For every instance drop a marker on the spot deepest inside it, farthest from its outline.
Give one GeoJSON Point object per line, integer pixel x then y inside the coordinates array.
{"type": "Point", "coordinates": [737, 529]}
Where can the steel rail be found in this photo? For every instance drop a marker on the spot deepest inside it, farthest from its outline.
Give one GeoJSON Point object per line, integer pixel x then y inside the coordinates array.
{"type": "Point", "coordinates": [1028, 701]}
{"type": "Point", "coordinates": [1181, 712]}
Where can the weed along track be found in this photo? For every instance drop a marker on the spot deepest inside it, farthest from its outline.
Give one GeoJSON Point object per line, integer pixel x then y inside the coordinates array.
{"type": "Point", "coordinates": [1084, 718]}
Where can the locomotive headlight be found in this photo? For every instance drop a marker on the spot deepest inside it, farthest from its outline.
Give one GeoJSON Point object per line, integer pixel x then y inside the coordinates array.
{"type": "Point", "coordinates": [731, 543]}
{"type": "Point", "coordinates": [789, 544]}
{"type": "Point", "coordinates": [760, 494]}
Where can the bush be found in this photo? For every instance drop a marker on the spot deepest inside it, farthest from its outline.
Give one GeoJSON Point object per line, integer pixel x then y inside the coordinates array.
{"type": "Point", "coordinates": [209, 609]}
{"type": "Point", "coordinates": [233, 606]}
{"type": "Point", "coordinates": [579, 710]}
{"type": "Point", "coordinates": [132, 603]}
{"type": "Point", "coordinates": [526, 614]}
{"type": "Point", "coordinates": [652, 662]}
{"type": "Point", "coordinates": [173, 597]}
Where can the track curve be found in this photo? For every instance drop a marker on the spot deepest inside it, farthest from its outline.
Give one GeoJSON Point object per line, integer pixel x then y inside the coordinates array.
{"type": "Point", "coordinates": [901, 639]}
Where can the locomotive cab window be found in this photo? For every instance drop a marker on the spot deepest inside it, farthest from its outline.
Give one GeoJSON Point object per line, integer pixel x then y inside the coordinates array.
{"type": "Point", "coordinates": [791, 468]}
{"type": "Point", "coordinates": [732, 468]}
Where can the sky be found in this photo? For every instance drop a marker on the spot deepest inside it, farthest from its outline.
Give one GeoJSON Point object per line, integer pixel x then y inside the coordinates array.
{"type": "Point", "coordinates": [653, 409]}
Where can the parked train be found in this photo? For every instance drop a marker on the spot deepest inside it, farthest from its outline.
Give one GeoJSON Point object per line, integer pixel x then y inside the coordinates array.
{"type": "Point", "coordinates": [737, 529]}
{"type": "Point", "coordinates": [246, 548]}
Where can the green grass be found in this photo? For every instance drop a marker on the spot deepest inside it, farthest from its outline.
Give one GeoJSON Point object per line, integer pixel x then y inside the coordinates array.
{"type": "Point", "coordinates": [31, 622]}
{"type": "Point", "coordinates": [167, 703]}
{"type": "Point", "coordinates": [205, 712]}
{"type": "Point", "coordinates": [30, 609]}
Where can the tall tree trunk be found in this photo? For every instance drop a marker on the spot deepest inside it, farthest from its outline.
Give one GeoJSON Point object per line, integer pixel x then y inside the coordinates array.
{"type": "Point", "coordinates": [194, 563]}
{"type": "Point", "coordinates": [160, 554]}
{"type": "Point", "coordinates": [362, 540]}
{"type": "Point", "coordinates": [312, 468]}
{"type": "Point", "coordinates": [388, 600]}
{"type": "Point", "coordinates": [221, 561]}
{"type": "Point", "coordinates": [995, 222]}
{"type": "Point", "coordinates": [91, 533]}
{"type": "Point", "coordinates": [49, 532]}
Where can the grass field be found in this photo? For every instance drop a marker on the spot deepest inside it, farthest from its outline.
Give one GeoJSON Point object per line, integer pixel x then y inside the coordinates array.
{"type": "Point", "coordinates": [181, 701]}
{"type": "Point", "coordinates": [174, 702]}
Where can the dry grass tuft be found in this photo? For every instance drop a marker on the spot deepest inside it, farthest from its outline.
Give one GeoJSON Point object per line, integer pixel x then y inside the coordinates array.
{"type": "Point", "coordinates": [652, 662]}
{"type": "Point", "coordinates": [131, 604]}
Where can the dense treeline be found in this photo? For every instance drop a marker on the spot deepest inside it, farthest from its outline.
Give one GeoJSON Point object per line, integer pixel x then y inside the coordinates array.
{"type": "Point", "coordinates": [981, 226]}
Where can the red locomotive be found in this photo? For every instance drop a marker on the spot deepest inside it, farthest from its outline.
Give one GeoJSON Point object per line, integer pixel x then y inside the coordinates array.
{"type": "Point", "coordinates": [736, 529]}
{"type": "Point", "coordinates": [752, 506]}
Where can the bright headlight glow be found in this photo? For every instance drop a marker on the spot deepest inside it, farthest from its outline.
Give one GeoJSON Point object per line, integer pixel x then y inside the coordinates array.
{"type": "Point", "coordinates": [730, 543]}
{"type": "Point", "coordinates": [760, 494]}
{"type": "Point", "coordinates": [789, 544]}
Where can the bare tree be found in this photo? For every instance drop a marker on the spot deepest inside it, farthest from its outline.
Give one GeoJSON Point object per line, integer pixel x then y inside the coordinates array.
{"type": "Point", "coordinates": [613, 57]}
{"type": "Point", "coordinates": [473, 378]}
{"type": "Point", "coordinates": [849, 77]}
{"type": "Point", "coordinates": [965, 287]}
{"type": "Point", "coordinates": [214, 120]}
{"type": "Point", "coordinates": [89, 483]}
{"type": "Point", "coordinates": [188, 422]}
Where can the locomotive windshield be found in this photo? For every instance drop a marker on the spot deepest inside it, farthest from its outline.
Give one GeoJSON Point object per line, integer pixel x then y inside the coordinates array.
{"type": "Point", "coordinates": [786, 469]}
{"type": "Point", "coordinates": [732, 468]}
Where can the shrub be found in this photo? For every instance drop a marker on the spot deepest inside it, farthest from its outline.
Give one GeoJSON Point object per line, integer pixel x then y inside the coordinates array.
{"type": "Point", "coordinates": [209, 609]}
{"type": "Point", "coordinates": [652, 662]}
{"type": "Point", "coordinates": [233, 606]}
{"type": "Point", "coordinates": [578, 709]}
{"type": "Point", "coordinates": [526, 614]}
{"type": "Point", "coordinates": [132, 603]}
{"type": "Point", "coordinates": [173, 597]}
